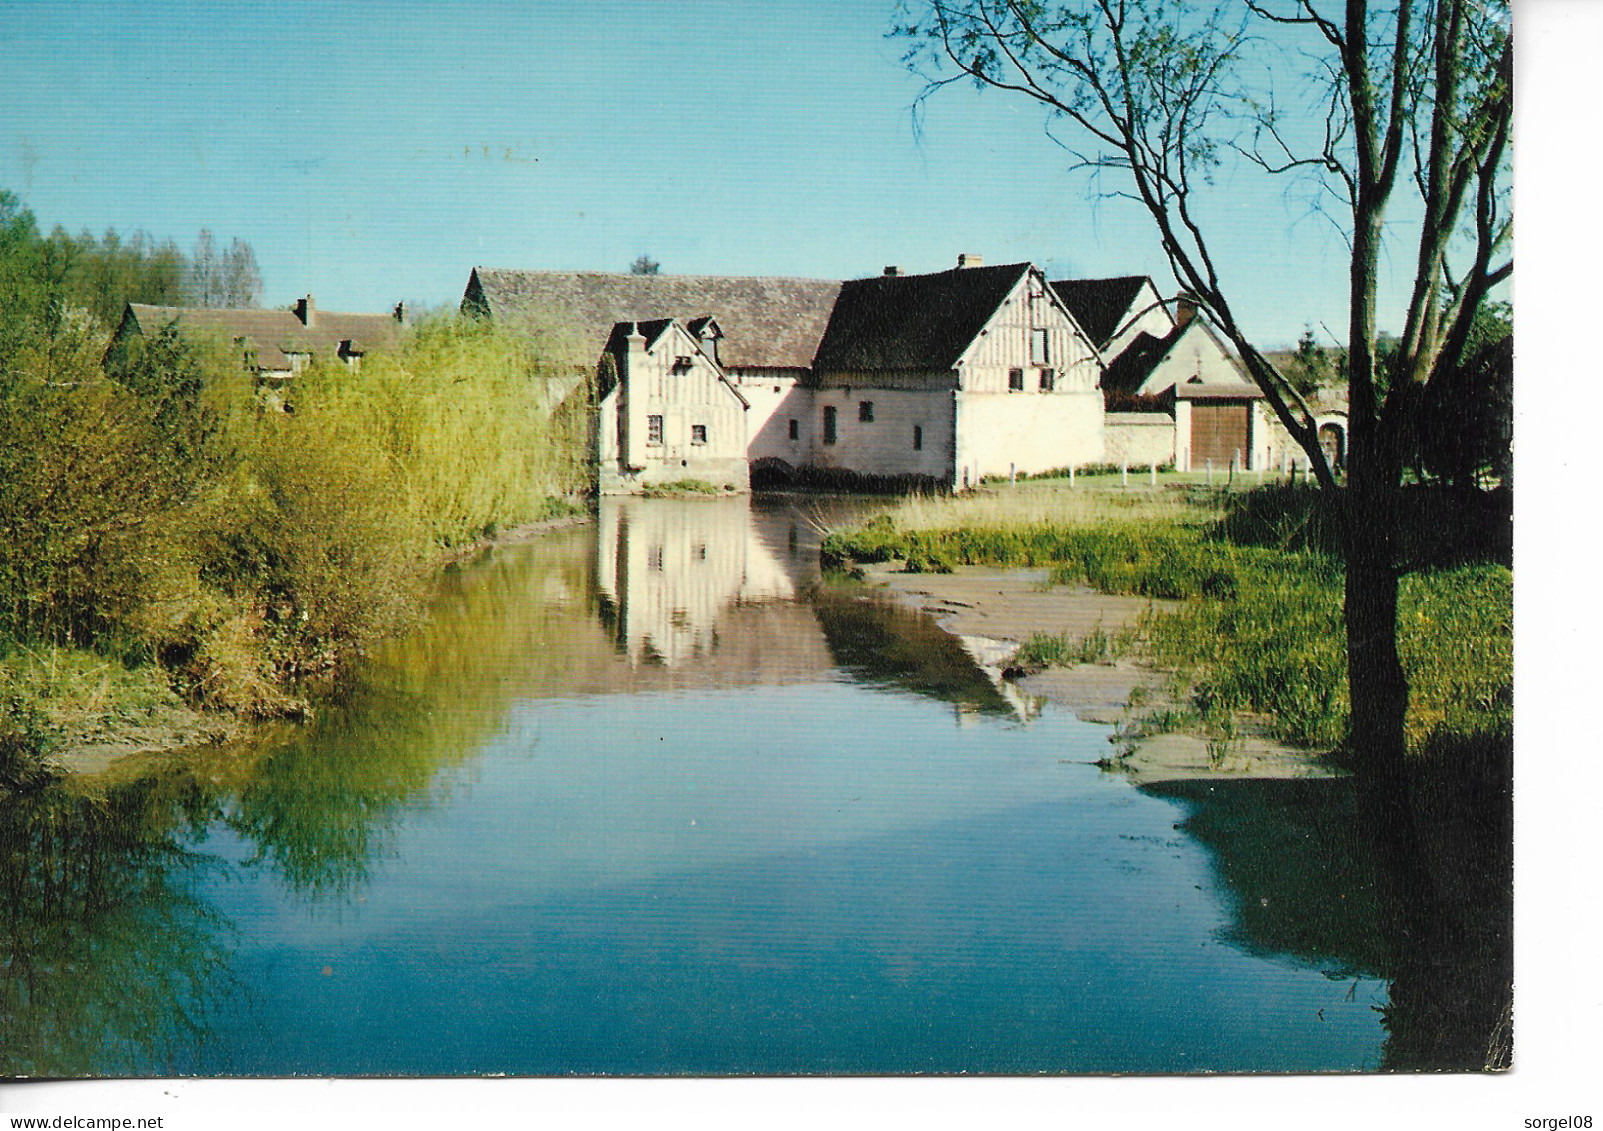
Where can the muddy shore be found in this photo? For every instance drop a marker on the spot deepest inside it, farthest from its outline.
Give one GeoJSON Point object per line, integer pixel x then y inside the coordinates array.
{"type": "Point", "coordinates": [994, 611]}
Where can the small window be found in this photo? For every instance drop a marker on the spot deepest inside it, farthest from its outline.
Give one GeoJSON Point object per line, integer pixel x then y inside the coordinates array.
{"type": "Point", "coordinates": [1038, 349]}
{"type": "Point", "coordinates": [1049, 380]}
{"type": "Point", "coordinates": [1015, 380]}
{"type": "Point", "coordinates": [795, 429]}
{"type": "Point", "coordinates": [681, 364]}
{"type": "Point", "coordinates": [918, 437]}
{"type": "Point", "coordinates": [829, 424]}
{"type": "Point", "coordinates": [698, 433]}
{"type": "Point", "coordinates": [865, 411]}
{"type": "Point", "coordinates": [654, 430]}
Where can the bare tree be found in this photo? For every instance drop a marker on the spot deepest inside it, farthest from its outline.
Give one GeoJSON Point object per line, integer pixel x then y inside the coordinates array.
{"type": "Point", "coordinates": [1158, 94]}
{"type": "Point", "coordinates": [644, 265]}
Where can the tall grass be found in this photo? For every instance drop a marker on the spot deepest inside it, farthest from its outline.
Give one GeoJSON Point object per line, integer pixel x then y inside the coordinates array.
{"type": "Point", "coordinates": [1260, 632]}
{"type": "Point", "coordinates": [158, 508]}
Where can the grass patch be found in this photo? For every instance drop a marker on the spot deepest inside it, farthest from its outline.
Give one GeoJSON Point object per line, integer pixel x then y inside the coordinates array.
{"type": "Point", "coordinates": [680, 487]}
{"type": "Point", "coordinates": [1260, 633]}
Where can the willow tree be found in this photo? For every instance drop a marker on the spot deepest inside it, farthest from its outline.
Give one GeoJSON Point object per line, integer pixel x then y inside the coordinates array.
{"type": "Point", "coordinates": [1397, 98]}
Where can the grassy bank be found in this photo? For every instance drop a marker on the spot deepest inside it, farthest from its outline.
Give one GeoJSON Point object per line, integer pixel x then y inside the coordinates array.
{"type": "Point", "coordinates": [1260, 634]}
{"type": "Point", "coordinates": [180, 540]}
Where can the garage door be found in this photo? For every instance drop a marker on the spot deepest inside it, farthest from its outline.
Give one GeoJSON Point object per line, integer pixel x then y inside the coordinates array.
{"type": "Point", "coordinates": [1219, 431]}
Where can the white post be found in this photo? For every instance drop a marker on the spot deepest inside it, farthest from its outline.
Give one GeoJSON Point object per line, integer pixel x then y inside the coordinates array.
{"type": "Point", "coordinates": [1154, 475]}
{"type": "Point", "coordinates": [1124, 473]}
{"type": "Point", "coordinates": [1071, 475]}
{"type": "Point", "coordinates": [1210, 471]}
{"type": "Point", "coordinates": [1012, 473]}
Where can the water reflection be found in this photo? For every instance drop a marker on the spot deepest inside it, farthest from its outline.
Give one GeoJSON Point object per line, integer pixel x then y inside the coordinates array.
{"type": "Point", "coordinates": [660, 744]}
{"type": "Point", "coordinates": [110, 960]}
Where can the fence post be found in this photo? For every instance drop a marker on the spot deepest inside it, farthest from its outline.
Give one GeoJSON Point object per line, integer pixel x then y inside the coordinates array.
{"type": "Point", "coordinates": [1124, 473]}
{"type": "Point", "coordinates": [1012, 473]}
{"type": "Point", "coordinates": [1210, 471]}
{"type": "Point", "coordinates": [1154, 475]}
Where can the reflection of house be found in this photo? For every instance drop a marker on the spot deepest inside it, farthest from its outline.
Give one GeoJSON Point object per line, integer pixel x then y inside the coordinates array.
{"type": "Point", "coordinates": [673, 569]}
{"type": "Point", "coordinates": [944, 378]}
{"type": "Point", "coordinates": [1174, 391]}
{"type": "Point", "coordinates": [275, 344]}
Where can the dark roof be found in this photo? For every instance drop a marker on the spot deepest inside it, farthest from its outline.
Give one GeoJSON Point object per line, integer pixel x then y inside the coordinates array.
{"type": "Point", "coordinates": [767, 322]}
{"type": "Point", "coordinates": [276, 333]}
{"type": "Point", "coordinates": [920, 322]}
{"type": "Point", "coordinates": [1127, 371]}
{"type": "Point", "coordinates": [651, 329]}
{"type": "Point", "coordinates": [1099, 305]}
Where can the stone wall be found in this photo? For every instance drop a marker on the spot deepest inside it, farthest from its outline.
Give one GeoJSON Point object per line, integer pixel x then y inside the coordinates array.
{"type": "Point", "coordinates": [1139, 439]}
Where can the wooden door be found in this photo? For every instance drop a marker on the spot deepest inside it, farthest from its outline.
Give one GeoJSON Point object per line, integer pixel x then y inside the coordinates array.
{"type": "Point", "coordinates": [1220, 430]}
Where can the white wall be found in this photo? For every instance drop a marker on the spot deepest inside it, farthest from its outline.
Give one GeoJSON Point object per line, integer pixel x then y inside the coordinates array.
{"type": "Point", "coordinates": [776, 398]}
{"type": "Point", "coordinates": [999, 433]}
{"type": "Point", "coordinates": [883, 446]}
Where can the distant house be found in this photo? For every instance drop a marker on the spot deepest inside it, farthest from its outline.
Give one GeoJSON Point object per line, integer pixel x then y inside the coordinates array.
{"type": "Point", "coordinates": [941, 378]}
{"type": "Point", "coordinates": [1174, 391]}
{"type": "Point", "coordinates": [275, 345]}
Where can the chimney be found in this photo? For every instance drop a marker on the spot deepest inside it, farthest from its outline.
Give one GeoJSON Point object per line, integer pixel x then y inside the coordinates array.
{"type": "Point", "coordinates": [306, 310]}
{"type": "Point", "coordinates": [400, 313]}
{"type": "Point", "coordinates": [891, 271]}
{"type": "Point", "coordinates": [969, 259]}
{"type": "Point", "coordinates": [1185, 310]}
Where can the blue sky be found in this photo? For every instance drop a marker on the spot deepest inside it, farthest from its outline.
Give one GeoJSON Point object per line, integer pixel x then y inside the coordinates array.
{"type": "Point", "coordinates": [375, 152]}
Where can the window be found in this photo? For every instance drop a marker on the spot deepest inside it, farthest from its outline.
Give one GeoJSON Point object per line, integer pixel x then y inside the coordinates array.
{"type": "Point", "coordinates": [918, 437]}
{"type": "Point", "coordinates": [865, 411]}
{"type": "Point", "coordinates": [654, 430]}
{"type": "Point", "coordinates": [681, 364]}
{"type": "Point", "coordinates": [795, 429]}
{"type": "Point", "coordinates": [1015, 380]}
{"type": "Point", "coordinates": [829, 424]}
{"type": "Point", "coordinates": [698, 433]}
{"type": "Point", "coordinates": [1038, 350]}
{"type": "Point", "coordinates": [1049, 380]}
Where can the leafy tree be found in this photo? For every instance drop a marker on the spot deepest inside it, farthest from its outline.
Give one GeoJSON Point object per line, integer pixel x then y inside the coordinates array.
{"type": "Point", "coordinates": [644, 265]}
{"type": "Point", "coordinates": [1401, 93]}
{"type": "Point", "coordinates": [1159, 96]}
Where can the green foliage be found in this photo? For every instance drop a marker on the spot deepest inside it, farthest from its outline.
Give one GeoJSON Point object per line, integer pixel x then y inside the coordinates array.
{"type": "Point", "coordinates": [1260, 631]}
{"type": "Point", "coordinates": [680, 487]}
{"type": "Point", "coordinates": [156, 506]}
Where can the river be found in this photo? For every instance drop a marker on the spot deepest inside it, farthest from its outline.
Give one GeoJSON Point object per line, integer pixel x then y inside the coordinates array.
{"type": "Point", "coordinates": [647, 796]}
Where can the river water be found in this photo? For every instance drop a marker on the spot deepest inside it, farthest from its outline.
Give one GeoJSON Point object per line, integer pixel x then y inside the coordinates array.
{"type": "Point", "coordinates": [645, 796]}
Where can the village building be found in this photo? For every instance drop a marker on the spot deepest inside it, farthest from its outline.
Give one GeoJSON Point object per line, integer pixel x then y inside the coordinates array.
{"type": "Point", "coordinates": [666, 412]}
{"type": "Point", "coordinates": [942, 378]}
{"type": "Point", "coordinates": [275, 345]}
{"type": "Point", "coordinates": [1175, 393]}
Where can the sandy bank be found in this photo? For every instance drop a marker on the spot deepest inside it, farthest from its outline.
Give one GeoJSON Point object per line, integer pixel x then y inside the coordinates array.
{"type": "Point", "coordinates": [994, 611]}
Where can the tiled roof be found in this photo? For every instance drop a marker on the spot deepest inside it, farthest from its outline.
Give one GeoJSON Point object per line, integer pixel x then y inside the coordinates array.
{"type": "Point", "coordinates": [277, 333]}
{"type": "Point", "coordinates": [1099, 305]}
{"type": "Point", "coordinates": [922, 322]}
{"type": "Point", "coordinates": [767, 322]}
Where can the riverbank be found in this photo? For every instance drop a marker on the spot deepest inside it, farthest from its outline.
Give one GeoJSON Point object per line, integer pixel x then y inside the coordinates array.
{"type": "Point", "coordinates": [997, 611]}
{"type": "Point", "coordinates": [82, 712]}
{"type": "Point", "coordinates": [1235, 598]}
